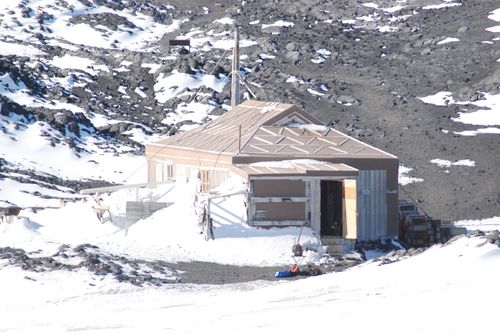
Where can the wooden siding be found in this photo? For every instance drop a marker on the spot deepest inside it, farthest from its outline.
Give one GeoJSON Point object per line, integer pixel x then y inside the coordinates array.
{"type": "Point", "coordinates": [278, 188]}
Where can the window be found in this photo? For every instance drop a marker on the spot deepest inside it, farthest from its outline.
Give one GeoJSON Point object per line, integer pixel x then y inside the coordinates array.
{"type": "Point", "coordinates": [210, 179]}
{"type": "Point", "coordinates": [158, 172]}
{"type": "Point", "coordinates": [164, 171]}
{"type": "Point", "coordinates": [168, 171]}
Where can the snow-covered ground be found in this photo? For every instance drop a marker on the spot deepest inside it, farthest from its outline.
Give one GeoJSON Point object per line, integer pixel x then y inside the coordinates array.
{"type": "Point", "coordinates": [140, 32]}
{"type": "Point", "coordinates": [171, 234]}
{"type": "Point", "coordinates": [445, 290]}
{"type": "Point", "coordinates": [457, 281]}
{"type": "Point", "coordinates": [404, 178]}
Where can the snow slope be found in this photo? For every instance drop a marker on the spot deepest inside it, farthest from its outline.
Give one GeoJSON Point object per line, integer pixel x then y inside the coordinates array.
{"type": "Point", "coordinates": [171, 234]}
{"type": "Point", "coordinates": [445, 290]}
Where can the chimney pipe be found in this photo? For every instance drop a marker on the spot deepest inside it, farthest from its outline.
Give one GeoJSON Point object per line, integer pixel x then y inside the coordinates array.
{"type": "Point", "coordinates": [235, 68]}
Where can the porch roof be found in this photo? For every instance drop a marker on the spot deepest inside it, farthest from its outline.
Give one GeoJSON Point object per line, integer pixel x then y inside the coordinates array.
{"type": "Point", "coordinates": [300, 167]}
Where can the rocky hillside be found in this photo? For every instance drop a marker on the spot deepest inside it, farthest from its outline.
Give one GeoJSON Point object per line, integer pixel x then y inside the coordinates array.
{"type": "Point", "coordinates": [419, 79]}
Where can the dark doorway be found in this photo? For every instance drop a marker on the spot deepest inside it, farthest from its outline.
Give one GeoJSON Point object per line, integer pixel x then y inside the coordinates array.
{"type": "Point", "coordinates": [331, 208]}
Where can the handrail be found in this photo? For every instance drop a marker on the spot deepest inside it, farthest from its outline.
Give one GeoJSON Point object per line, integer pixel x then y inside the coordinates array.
{"type": "Point", "coordinates": [207, 219]}
{"type": "Point", "coordinates": [105, 189]}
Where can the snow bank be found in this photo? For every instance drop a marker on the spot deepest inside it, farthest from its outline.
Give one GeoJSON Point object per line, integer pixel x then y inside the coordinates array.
{"type": "Point", "coordinates": [78, 63]}
{"type": "Point", "coordinates": [32, 150]}
{"type": "Point", "coordinates": [447, 163]}
{"type": "Point", "coordinates": [224, 21]}
{"type": "Point", "coordinates": [445, 4]}
{"type": "Point", "coordinates": [441, 283]}
{"type": "Point", "coordinates": [279, 23]}
{"type": "Point", "coordinates": [404, 179]}
{"type": "Point", "coordinates": [484, 224]}
{"type": "Point", "coordinates": [439, 99]}
{"type": "Point", "coordinates": [171, 234]}
{"type": "Point", "coordinates": [448, 40]}
{"type": "Point", "coordinates": [7, 49]}
{"type": "Point", "coordinates": [168, 87]}
{"type": "Point", "coordinates": [489, 115]}
{"type": "Point", "coordinates": [488, 130]}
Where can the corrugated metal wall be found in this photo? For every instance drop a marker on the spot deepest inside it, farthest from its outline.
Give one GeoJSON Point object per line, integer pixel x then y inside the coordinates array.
{"type": "Point", "coordinates": [372, 205]}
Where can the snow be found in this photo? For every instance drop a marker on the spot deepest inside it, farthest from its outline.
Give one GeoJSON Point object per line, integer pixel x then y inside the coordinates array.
{"type": "Point", "coordinates": [446, 4]}
{"type": "Point", "coordinates": [495, 29]}
{"type": "Point", "coordinates": [404, 179]}
{"type": "Point", "coordinates": [279, 23]}
{"type": "Point", "coordinates": [495, 15]}
{"type": "Point", "coordinates": [447, 163]}
{"type": "Point", "coordinates": [483, 224]}
{"type": "Point", "coordinates": [8, 85]}
{"type": "Point", "coordinates": [123, 90]}
{"type": "Point", "coordinates": [293, 79]}
{"type": "Point", "coordinates": [324, 52]}
{"type": "Point", "coordinates": [482, 117]}
{"type": "Point", "coordinates": [7, 49]}
{"type": "Point", "coordinates": [139, 136]}
{"type": "Point", "coordinates": [152, 66]}
{"type": "Point", "coordinates": [144, 36]}
{"type": "Point", "coordinates": [370, 5]}
{"type": "Point", "coordinates": [448, 40]}
{"type": "Point", "coordinates": [168, 87]}
{"type": "Point", "coordinates": [435, 284]}
{"type": "Point", "coordinates": [388, 9]}
{"type": "Point", "coordinates": [393, 9]}
{"type": "Point", "coordinates": [140, 92]}
{"type": "Point", "coordinates": [77, 63]}
{"type": "Point", "coordinates": [17, 92]}
{"type": "Point", "coordinates": [207, 41]}
{"type": "Point", "coordinates": [289, 164]}
{"type": "Point", "coordinates": [386, 29]}
{"type": "Point", "coordinates": [439, 99]}
{"type": "Point", "coordinates": [366, 18]}
{"type": "Point", "coordinates": [195, 112]}
{"type": "Point", "coordinates": [171, 234]}
{"type": "Point", "coordinates": [314, 92]}
{"type": "Point", "coordinates": [225, 20]}
{"type": "Point", "coordinates": [311, 127]}
{"type": "Point", "coordinates": [31, 194]}
{"type": "Point", "coordinates": [318, 60]}
{"type": "Point", "coordinates": [30, 148]}
{"type": "Point", "coordinates": [348, 21]}
{"type": "Point", "coordinates": [266, 56]}
{"type": "Point", "coordinates": [489, 130]}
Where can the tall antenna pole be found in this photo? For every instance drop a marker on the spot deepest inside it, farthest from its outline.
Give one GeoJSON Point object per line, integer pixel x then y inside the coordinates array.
{"type": "Point", "coordinates": [235, 80]}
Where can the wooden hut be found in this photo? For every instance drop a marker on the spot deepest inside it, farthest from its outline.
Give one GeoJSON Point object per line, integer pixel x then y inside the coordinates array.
{"type": "Point", "coordinates": [298, 171]}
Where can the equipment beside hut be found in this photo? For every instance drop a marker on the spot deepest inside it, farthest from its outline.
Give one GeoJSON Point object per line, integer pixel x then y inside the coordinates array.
{"type": "Point", "coordinates": [419, 230]}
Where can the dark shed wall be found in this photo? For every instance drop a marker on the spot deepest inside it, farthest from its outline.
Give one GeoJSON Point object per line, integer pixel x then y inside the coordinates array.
{"type": "Point", "coordinates": [278, 188]}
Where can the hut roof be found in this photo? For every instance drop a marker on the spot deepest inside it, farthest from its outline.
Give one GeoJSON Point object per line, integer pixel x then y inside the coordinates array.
{"type": "Point", "coordinates": [223, 134]}
{"type": "Point", "coordinates": [256, 128]}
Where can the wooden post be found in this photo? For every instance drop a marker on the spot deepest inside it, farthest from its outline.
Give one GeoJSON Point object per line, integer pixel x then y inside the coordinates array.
{"type": "Point", "coordinates": [235, 80]}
